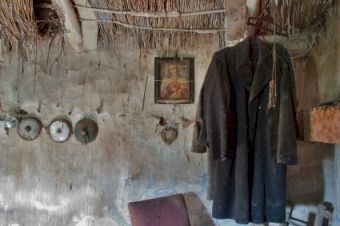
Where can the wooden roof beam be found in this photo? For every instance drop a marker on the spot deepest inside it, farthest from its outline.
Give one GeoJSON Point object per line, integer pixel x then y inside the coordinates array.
{"type": "Point", "coordinates": [72, 24]}
{"type": "Point", "coordinates": [90, 27]}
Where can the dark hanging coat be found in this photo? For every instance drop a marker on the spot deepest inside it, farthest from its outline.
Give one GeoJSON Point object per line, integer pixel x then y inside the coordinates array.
{"type": "Point", "coordinates": [249, 145]}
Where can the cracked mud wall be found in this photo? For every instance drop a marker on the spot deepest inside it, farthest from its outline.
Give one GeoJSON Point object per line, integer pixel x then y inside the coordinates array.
{"type": "Point", "coordinates": [316, 178]}
{"type": "Point", "coordinates": [327, 68]}
{"type": "Point", "coordinates": [44, 183]}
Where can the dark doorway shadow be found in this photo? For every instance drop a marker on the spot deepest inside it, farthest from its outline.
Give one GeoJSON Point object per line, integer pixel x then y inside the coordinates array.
{"type": "Point", "coordinates": [198, 213]}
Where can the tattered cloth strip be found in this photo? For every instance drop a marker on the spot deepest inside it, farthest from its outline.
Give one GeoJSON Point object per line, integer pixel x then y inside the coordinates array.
{"type": "Point", "coordinates": [168, 32]}
{"type": "Point", "coordinates": [17, 22]}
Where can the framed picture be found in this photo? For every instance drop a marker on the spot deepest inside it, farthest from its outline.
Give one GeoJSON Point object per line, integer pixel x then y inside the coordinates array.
{"type": "Point", "coordinates": [174, 80]}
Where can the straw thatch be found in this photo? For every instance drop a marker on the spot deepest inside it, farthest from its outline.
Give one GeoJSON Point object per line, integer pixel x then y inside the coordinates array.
{"type": "Point", "coordinates": [165, 29]}
{"type": "Point", "coordinates": [24, 22]}
{"type": "Point", "coordinates": [296, 16]}
{"type": "Point", "coordinates": [128, 20]}
{"type": "Point", "coordinates": [156, 23]}
{"type": "Point", "coordinates": [49, 18]}
{"type": "Point", "coordinates": [17, 22]}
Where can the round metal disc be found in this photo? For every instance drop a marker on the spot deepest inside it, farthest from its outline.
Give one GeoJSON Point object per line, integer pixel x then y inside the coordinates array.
{"type": "Point", "coordinates": [60, 130]}
{"type": "Point", "coordinates": [29, 128]}
{"type": "Point", "coordinates": [86, 131]}
{"type": "Point", "coordinates": [10, 122]}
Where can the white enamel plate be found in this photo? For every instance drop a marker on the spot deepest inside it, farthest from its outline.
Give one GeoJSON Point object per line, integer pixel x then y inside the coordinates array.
{"type": "Point", "coordinates": [60, 130]}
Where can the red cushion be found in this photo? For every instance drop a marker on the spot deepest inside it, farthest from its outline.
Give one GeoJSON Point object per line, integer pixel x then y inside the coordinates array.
{"type": "Point", "coordinates": [163, 211]}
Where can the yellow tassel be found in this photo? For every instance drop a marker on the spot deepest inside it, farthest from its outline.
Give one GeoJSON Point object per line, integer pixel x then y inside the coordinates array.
{"type": "Point", "coordinates": [272, 94]}
{"type": "Point", "coordinates": [272, 83]}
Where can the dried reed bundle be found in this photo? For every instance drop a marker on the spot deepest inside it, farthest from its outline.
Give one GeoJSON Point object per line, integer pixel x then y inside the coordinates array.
{"type": "Point", "coordinates": [292, 15]}
{"type": "Point", "coordinates": [18, 25]}
{"type": "Point", "coordinates": [298, 15]}
{"type": "Point", "coordinates": [109, 33]}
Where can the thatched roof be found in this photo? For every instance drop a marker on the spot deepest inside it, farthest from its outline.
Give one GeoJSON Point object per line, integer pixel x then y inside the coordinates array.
{"type": "Point", "coordinates": [24, 22]}
{"type": "Point", "coordinates": [156, 23]}
{"type": "Point", "coordinates": [192, 23]}
{"type": "Point", "coordinates": [168, 31]}
{"type": "Point", "coordinates": [17, 22]}
{"type": "Point", "coordinates": [303, 15]}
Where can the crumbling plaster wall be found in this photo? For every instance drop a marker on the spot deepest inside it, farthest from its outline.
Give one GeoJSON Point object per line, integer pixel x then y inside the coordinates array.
{"type": "Point", "coordinates": [327, 64]}
{"type": "Point", "coordinates": [44, 183]}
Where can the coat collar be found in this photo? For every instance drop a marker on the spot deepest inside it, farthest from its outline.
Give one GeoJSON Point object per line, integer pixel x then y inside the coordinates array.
{"type": "Point", "coordinates": [262, 59]}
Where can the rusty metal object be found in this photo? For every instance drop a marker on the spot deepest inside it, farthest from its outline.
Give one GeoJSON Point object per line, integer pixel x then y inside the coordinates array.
{"type": "Point", "coordinates": [29, 128]}
{"type": "Point", "coordinates": [60, 130]}
{"type": "Point", "coordinates": [86, 131]}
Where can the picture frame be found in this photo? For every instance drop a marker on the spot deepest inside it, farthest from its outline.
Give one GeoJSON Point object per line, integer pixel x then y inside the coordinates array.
{"type": "Point", "coordinates": [174, 80]}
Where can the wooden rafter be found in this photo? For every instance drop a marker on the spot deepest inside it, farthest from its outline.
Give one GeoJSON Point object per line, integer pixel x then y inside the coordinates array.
{"type": "Point", "coordinates": [89, 27]}
{"type": "Point", "coordinates": [72, 24]}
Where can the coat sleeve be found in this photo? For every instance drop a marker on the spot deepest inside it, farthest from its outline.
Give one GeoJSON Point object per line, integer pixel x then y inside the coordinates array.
{"type": "Point", "coordinates": [200, 139]}
{"type": "Point", "coordinates": [288, 127]}
{"type": "Point", "coordinates": [211, 127]}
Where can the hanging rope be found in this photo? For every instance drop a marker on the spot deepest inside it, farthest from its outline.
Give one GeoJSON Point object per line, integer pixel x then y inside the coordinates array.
{"type": "Point", "coordinates": [273, 81]}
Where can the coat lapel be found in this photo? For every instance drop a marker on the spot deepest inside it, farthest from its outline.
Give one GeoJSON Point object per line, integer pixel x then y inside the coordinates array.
{"type": "Point", "coordinates": [254, 82]}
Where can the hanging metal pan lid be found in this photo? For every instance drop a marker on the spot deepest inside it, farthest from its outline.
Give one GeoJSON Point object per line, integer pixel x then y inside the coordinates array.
{"type": "Point", "coordinates": [11, 122]}
{"type": "Point", "coordinates": [86, 130]}
{"type": "Point", "coordinates": [60, 130]}
{"type": "Point", "coordinates": [29, 128]}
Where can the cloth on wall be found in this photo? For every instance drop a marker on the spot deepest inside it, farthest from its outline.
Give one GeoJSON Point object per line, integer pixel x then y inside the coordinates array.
{"type": "Point", "coordinates": [249, 145]}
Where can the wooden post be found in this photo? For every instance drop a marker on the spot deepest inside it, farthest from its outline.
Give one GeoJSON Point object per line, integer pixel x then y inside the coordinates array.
{"type": "Point", "coordinates": [72, 24]}
{"type": "Point", "coordinates": [89, 28]}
